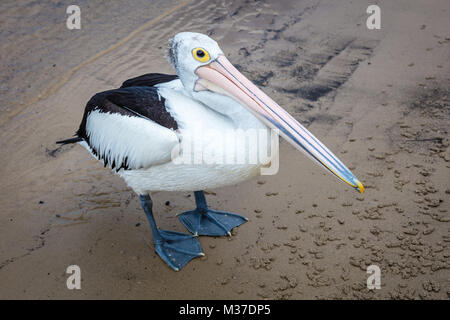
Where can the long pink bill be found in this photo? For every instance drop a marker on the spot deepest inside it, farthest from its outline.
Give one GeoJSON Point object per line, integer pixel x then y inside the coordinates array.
{"type": "Point", "coordinates": [221, 76]}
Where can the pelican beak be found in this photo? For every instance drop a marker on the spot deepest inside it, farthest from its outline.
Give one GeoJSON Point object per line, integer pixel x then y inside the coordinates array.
{"type": "Point", "coordinates": [222, 77]}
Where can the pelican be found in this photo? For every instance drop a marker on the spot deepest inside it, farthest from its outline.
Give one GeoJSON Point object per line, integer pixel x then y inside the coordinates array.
{"type": "Point", "coordinates": [138, 130]}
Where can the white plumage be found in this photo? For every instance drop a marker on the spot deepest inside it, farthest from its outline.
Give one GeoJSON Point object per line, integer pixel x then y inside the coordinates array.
{"type": "Point", "coordinates": [119, 137]}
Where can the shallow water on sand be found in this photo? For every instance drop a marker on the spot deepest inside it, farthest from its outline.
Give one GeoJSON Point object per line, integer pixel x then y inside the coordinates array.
{"type": "Point", "coordinates": [36, 47]}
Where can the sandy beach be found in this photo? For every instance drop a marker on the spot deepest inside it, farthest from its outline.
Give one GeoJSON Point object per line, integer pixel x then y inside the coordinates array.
{"type": "Point", "coordinates": [380, 99]}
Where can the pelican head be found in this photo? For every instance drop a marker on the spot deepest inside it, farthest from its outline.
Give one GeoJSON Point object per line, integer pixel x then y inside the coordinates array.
{"type": "Point", "coordinates": [205, 72]}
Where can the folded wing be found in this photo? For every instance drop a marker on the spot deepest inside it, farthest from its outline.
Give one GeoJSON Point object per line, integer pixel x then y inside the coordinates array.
{"type": "Point", "coordinates": [129, 127]}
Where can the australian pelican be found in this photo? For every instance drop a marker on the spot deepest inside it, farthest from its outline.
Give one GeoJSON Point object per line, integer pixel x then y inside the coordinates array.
{"type": "Point", "coordinates": [136, 128]}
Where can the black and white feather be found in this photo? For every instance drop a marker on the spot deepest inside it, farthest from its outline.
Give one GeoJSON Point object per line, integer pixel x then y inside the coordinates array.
{"type": "Point", "coordinates": [129, 127]}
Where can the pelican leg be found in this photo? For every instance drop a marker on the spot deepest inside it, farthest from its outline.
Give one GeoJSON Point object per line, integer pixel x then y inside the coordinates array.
{"type": "Point", "coordinates": [175, 248]}
{"type": "Point", "coordinates": [207, 222]}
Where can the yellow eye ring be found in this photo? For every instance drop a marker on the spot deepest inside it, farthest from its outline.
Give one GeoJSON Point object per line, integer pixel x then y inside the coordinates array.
{"type": "Point", "coordinates": [200, 54]}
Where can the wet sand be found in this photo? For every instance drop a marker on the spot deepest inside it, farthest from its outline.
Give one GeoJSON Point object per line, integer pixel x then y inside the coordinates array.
{"type": "Point", "coordinates": [379, 99]}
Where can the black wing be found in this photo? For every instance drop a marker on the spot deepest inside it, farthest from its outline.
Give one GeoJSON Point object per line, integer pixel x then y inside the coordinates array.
{"type": "Point", "coordinates": [117, 141]}
{"type": "Point", "coordinates": [141, 102]}
{"type": "Point", "coordinates": [149, 80]}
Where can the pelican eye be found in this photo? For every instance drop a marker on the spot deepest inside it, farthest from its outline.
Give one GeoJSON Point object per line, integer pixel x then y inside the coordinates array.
{"type": "Point", "coordinates": [200, 54]}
